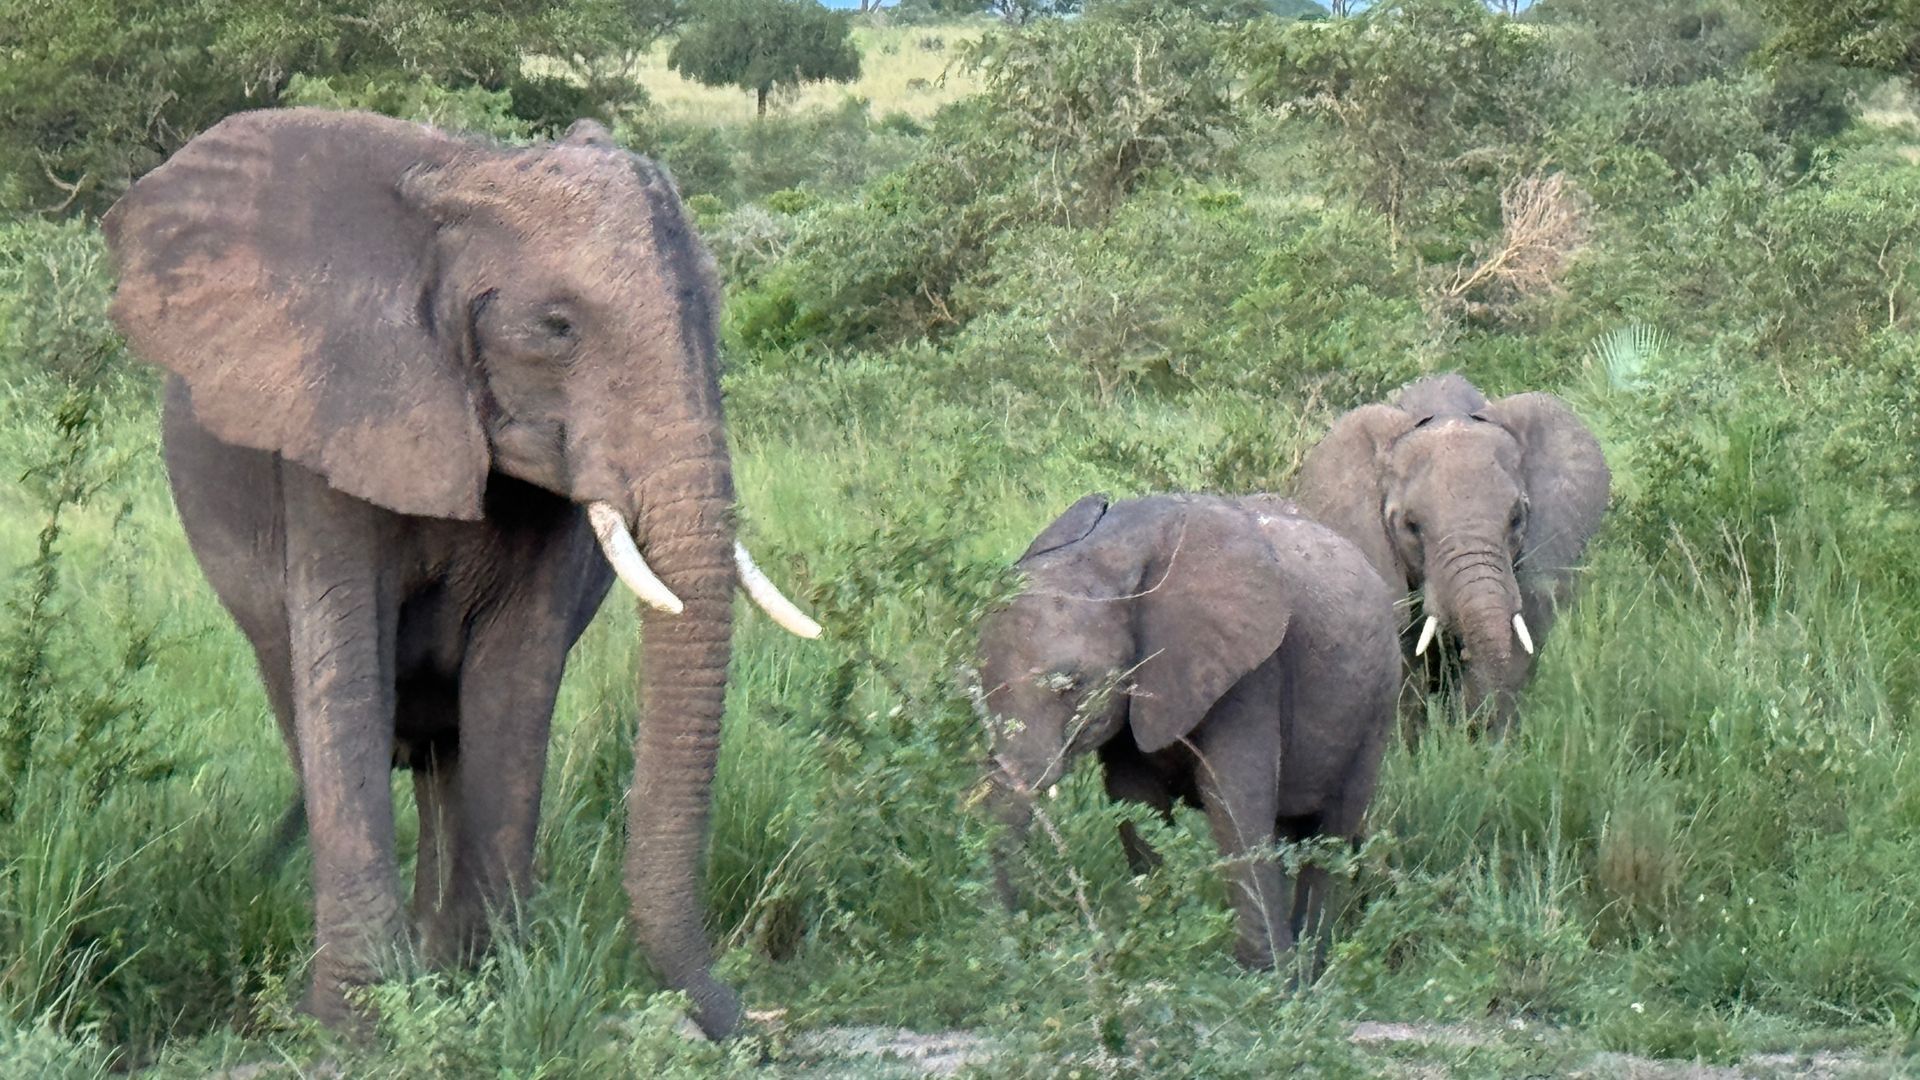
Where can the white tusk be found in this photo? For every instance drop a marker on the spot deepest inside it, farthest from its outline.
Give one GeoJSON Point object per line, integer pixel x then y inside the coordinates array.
{"type": "Point", "coordinates": [610, 526]}
{"type": "Point", "coordinates": [1426, 636]}
{"type": "Point", "coordinates": [1053, 791]}
{"type": "Point", "coordinates": [778, 608]}
{"type": "Point", "coordinates": [1520, 631]}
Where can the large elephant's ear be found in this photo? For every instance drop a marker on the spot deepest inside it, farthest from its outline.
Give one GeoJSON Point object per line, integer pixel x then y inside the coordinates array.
{"type": "Point", "coordinates": [1070, 527]}
{"type": "Point", "coordinates": [1343, 482]}
{"type": "Point", "coordinates": [1208, 611]}
{"type": "Point", "coordinates": [1566, 478]}
{"type": "Point", "coordinates": [276, 266]}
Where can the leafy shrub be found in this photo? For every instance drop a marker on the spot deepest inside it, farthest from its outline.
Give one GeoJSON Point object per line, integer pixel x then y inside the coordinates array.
{"type": "Point", "coordinates": [486, 112]}
{"type": "Point", "coordinates": [1073, 118]}
{"type": "Point", "coordinates": [1433, 102]}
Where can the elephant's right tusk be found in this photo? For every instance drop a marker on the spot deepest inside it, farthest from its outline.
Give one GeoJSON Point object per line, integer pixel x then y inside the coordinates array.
{"type": "Point", "coordinates": [768, 596]}
{"type": "Point", "coordinates": [616, 542]}
{"type": "Point", "coordinates": [1520, 631]}
{"type": "Point", "coordinates": [1426, 636]}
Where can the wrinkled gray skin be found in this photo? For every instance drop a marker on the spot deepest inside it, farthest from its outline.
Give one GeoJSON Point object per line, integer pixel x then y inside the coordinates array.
{"type": "Point", "coordinates": [1227, 653]}
{"type": "Point", "coordinates": [1482, 508]}
{"type": "Point", "coordinates": [401, 363]}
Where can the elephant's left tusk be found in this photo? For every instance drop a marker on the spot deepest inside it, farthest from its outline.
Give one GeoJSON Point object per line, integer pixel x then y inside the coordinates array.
{"type": "Point", "coordinates": [616, 543]}
{"type": "Point", "coordinates": [1426, 636]}
{"type": "Point", "coordinates": [1520, 631]}
{"type": "Point", "coordinates": [778, 607]}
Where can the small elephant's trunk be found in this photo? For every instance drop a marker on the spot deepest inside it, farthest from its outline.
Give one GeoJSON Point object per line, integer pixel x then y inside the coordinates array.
{"type": "Point", "coordinates": [1013, 809]}
{"type": "Point", "coordinates": [1480, 596]}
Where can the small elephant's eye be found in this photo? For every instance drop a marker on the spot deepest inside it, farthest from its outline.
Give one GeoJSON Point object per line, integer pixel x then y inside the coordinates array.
{"type": "Point", "coordinates": [1518, 519]}
{"type": "Point", "coordinates": [556, 325]}
{"type": "Point", "coordinates": [1412, 527]}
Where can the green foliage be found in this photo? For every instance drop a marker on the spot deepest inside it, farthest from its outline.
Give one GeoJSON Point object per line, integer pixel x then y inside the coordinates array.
{"type": "Point", "coordinates": [1072, 118]}
{"type": "Point", "coordinates": [758, 45]}
{"type": "Point", "coordinates": [470, 108]}
{"type": "Point", "coordinates": [1434, 102]}
{"type": "Point", "coordinates": [1881, 35]}
{"type": "Point", "coordinates": [95, 93]}
{"type": "Point", "coordinates": [1653, 43]}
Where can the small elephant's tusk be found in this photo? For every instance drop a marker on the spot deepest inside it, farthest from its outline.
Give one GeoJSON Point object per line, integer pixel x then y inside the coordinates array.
{"type": "Point", "coordinates": [1426, 636]}
{"type": "Point", "coordinates": [1520, 631]}
{"type": "Point", "coordinates": [778, 607]}
{"type": "Point", "coordinates": [616, 542]}
{"type": "Point", "coordinates": [1053, 791]}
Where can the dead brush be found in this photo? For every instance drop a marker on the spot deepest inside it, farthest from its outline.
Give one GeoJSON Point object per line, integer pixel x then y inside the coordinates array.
{"type": "Point", "coordinates": [1546, 221]}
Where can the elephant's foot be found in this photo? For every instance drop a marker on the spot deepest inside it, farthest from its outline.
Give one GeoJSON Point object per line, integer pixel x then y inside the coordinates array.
{"type": "Point", "coordinates": [346, 966]}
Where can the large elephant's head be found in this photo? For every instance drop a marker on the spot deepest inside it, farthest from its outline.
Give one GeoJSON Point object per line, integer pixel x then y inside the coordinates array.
{"type": "Point", "coordinates": [1141, 614]}
{"type": "Point", "coordinates": [1483, 506]}
{"type": "Point", "coordinates": [406, 313]}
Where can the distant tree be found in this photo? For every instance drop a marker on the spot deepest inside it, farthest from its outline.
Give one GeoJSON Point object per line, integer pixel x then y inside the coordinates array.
{"type": "Point", "coordinates": [1022, 12]}
{"type": "Point", "coordinates": [1880, 35]}
{"type": "Point", "coordinates": [757, 45]}
{"type": "Point", "coordinates": [601, 42]}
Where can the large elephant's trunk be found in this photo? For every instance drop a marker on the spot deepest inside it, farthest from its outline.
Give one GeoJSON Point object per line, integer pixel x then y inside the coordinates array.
{"type": "Point", "coordinates": [1476, 590]}
{"type": "Point", "coordinates": [686, 513]}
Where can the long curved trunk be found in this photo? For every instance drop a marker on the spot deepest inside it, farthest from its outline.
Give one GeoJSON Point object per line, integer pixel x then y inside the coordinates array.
{"type": "Point", "coordinates": [686, 512]}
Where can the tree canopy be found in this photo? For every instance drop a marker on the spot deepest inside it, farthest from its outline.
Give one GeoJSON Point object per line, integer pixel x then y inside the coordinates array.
{"type": "Point", "coordinates": [758, 45]}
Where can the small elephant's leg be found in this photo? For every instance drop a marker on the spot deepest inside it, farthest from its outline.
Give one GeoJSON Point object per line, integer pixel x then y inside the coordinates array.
{"type": "Point", "coordinates": [1310, 892]}
{"type": "Point", "coordinates": [1130, 778]}
{"type": "Point", "coordinates": [1239, 775]}
{"type": "Point", "coordinates": [342, 626]}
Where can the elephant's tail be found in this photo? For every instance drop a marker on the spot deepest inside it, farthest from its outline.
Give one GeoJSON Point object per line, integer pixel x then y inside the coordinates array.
{"type": "Point", "coordinates": [286, 834]}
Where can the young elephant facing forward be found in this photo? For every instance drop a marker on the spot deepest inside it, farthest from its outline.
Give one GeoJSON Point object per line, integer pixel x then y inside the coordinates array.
{"type": "Point", "coordinates": [1228, 653]}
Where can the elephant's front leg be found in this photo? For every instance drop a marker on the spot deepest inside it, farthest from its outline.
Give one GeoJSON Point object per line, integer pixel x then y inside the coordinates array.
{"type": "Point", "coordinates": [508, 683]}
{"type": "Point", "coordinates": [1238, 775]}
{"type": "Point", "coordinates": [341, 624]}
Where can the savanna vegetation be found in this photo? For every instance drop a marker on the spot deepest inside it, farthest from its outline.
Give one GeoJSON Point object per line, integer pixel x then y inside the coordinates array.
{"type": "Point", "coordinates": [1151, 247]}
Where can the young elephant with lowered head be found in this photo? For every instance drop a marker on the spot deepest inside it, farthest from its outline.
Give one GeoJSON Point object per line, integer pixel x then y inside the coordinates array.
{"type": "Point", "coordinates": [1224, 652]}
{"type": "Point", "coordinates": [1481, 507]}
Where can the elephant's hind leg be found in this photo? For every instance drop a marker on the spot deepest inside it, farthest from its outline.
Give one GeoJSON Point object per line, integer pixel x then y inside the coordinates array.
{"type": "Point", "coordinates": [1238, 772]}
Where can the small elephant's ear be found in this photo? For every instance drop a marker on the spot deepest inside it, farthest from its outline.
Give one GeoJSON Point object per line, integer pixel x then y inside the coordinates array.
{"type": "Point", "coordinates": [276, 266]}
{"type": "Point", "coordinates": [1070, 527]}
{"type": "Point", "coordinates": [1566, 478]}
{"type": "Point", "coordinates": [1208, 610]}
{"type": "Point", "coordinates": [1343, 482]}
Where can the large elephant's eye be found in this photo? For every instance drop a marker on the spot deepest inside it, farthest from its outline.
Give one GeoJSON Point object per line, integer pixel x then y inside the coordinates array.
{"type": "Point", "coordinates": [1412, 527]}
{"type": "Point", "coordinates": [557, 326]}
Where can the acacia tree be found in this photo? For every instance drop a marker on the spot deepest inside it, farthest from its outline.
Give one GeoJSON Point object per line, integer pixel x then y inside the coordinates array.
{"type": "Point", "coordinates": [757, 45]}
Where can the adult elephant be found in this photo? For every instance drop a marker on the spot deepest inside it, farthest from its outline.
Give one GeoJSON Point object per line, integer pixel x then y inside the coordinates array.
{"type": "Point", "coordinates": [1227, 653]}
{"type": "Point", "coordinates": [1482, 507]}
{"type": "Point", "coordinates": [418, 386]}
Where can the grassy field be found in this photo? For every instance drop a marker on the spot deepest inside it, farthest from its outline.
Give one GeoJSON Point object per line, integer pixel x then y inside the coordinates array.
{"type": "Point", "coordinates": [1703, 845]}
